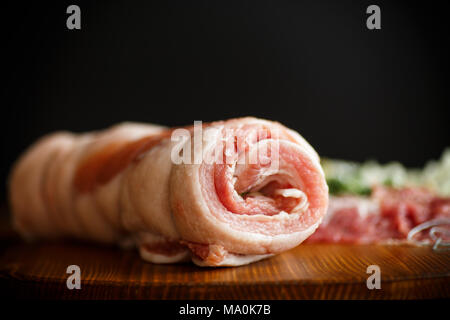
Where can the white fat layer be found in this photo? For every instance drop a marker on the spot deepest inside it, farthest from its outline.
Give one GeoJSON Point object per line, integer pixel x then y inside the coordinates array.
{"type": "Point", "coordinates": [290, 193]}
{"type": "Point", "coordinates": [143, 238]}
{"type": "Point", "coordinates": [233, 260]}
{"type": "Point", "coordinates": [162, 258]}
{"type": "Point", "coordinates": [294, 193]}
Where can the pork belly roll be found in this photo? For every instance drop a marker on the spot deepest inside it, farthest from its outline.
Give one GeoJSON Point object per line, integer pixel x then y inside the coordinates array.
{"type": "Point", "coordinates": [223, 194]}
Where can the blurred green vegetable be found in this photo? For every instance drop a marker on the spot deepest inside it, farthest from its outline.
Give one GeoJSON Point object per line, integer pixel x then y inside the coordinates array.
{"type": "Point", "coordinates": [345, 177]}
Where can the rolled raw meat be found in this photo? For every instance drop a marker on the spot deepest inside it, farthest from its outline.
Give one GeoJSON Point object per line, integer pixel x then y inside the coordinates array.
{"type": "Point", "coordinates": [225, 193]}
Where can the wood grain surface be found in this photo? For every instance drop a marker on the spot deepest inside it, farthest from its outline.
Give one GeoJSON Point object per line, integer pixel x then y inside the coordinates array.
{"type": "Point", "coordinates": [306, 272]}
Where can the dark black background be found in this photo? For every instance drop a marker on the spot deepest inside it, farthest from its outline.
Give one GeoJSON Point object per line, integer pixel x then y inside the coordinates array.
{"type": "Point", "coordinates": [351, 92]}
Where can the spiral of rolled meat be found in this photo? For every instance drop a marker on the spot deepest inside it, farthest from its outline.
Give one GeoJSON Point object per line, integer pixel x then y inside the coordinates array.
{"type": "Point", "coordinates": [228, 193]}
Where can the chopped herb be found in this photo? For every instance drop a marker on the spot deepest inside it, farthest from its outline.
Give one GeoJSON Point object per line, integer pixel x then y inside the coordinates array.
{"type": "Point", "coordinates": [346, 177]}
{"type": "Point", "coordinates": [388, 182]}
{"type": "Point", "coordinates": [335, 186]}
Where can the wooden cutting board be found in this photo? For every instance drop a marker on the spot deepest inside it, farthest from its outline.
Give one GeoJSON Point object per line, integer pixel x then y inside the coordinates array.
{"type": "Point", "coordinates": [306, 272]}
